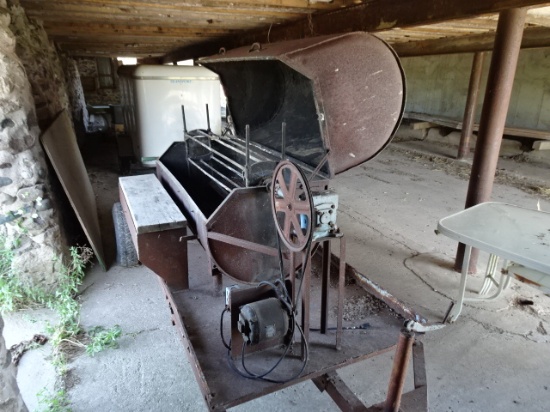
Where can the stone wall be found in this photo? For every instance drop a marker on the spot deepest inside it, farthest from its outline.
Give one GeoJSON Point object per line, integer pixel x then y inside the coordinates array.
{"type": "Point", "coordinates": [42, 65]}
{"type": "Point", "coordinates": [88, 69]}
{"type": "Point", "coordinates": [29, 222]}
{"type": "Point", "coordinates": [10, 398]}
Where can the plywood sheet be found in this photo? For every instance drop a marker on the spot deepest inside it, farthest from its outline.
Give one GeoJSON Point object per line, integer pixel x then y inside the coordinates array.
{"type": "Point", "coordinates": [60, 144]}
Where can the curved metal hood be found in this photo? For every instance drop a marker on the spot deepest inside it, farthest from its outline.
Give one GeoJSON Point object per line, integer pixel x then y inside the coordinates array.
{"type": "Point", "coordinates": [342, 96]}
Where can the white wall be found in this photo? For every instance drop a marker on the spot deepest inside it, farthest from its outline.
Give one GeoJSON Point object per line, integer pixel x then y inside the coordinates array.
{"type": "Point", "coordinates": [438, 85]}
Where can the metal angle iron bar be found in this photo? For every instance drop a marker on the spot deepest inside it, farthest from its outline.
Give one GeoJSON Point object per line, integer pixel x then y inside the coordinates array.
{"type": "Point", "coordinates": [245, 244]}
{"type": "Point", "coordinates": [340, 393]}
{"type": "Point", "coordinates": [217, 172]}
{"type": "Point", "coordinates": [215, 159]}
{"type": "Point", "coordinates": [241, 143]}
{"type": "Point", "coordinates": [209, 175]}
{"type": "Point", "coordinates": [269, 152]}
{"type": "Point", "coordinates": [223, 142]}
{"type": "Point", "coordinates": [419, 365]}
{"type": "Point", "coordinates": [273, 155]}
{"type": "Point", "coordinates": [216, 152]}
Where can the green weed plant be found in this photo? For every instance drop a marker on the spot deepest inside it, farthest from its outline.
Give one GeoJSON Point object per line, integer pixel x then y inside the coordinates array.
{"type": "Point", "coordinates": [67, 332]}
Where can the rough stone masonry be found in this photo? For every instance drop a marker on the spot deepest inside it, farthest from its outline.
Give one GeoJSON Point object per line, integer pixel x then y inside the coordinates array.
{"type": "Point", "coordinates": [29, 223]}
{"type": "Point", "coordinates": [10, 398]}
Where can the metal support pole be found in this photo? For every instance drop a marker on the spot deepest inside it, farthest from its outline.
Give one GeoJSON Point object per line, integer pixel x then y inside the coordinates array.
{"type": "Point", "coordinates": [292, 275]}
{"type": "Point", "coordinates": [341, 285]}
{"type": "Point", "coordinates": [471, 103]}
{"type": "Point", "coordinates": [493, 116]}
{"type": "Point", "coordinates": [283, 140]}
{"type": "Point", "coordinates": [247, 156]}
{"type": "Point", "coordinates": [325, 285]}
{"type": "Point", "coordinates": [306, 292]}
{"type": "Point", "coordinates": [399, 371]}
{"type": "Point", "coordinates": [208, 118]}
{"type": "Point", "coordinates": [217, 281]}
{"type": "Point", "coordinates": [183, 116]}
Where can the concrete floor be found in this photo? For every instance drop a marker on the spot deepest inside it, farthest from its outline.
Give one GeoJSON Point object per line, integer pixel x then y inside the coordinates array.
{"type": "Point", "coordinates": [495, 358]}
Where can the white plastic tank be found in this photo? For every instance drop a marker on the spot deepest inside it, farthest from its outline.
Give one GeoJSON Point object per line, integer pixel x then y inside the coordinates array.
{"type": "Point", "coordinates": [152, 97]}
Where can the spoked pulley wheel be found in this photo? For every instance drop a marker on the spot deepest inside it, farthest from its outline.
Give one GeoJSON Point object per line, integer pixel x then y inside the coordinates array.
{"type": "Point", "coordinates": [292, 205]}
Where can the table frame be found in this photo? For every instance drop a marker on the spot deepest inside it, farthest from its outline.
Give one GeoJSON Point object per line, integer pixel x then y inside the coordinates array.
{"type": "Point", "coordinates": [532, 266]}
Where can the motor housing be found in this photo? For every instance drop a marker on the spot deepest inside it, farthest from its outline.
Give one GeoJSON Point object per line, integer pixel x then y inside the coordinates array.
{"type": "Point", "coordinates": [263, 320]}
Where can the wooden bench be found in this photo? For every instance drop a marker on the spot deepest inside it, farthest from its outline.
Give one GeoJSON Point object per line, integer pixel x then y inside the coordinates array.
{"type": "Point", "coordinates": [427, 120]}
{"type": "Point", "coordinates": [157, 227]}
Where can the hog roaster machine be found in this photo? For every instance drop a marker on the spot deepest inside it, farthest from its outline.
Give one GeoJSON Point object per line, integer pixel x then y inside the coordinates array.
{"type": "Point", "coordinates": [258, 201]}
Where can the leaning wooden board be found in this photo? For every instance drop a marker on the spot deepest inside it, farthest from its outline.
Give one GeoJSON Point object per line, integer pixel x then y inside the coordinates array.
{"type": "Point", "coordinates": [60, 144]}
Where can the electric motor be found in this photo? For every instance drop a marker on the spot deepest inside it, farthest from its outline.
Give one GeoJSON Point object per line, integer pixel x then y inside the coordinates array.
{"type": "Point", "coordinates": [263, 320]}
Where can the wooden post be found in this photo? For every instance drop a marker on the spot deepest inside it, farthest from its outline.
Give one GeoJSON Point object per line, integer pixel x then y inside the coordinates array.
{"type": "Point", "coordinates": [471, 103]}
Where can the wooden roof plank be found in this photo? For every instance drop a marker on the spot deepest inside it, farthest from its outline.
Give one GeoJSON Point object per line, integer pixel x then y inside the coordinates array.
{"type": "Point", "coordinates": [291, 6]}
{"type": "Point", "coordinates": [97, 29]}
{"type": "Point", "coordinates": [105, 41]}
{"type": "Point", "coordinates": [156, 18]}
{"type": "Point", "coordinates": [375, 15]}
{"type": "Point", "coordinates": [532, 38]}
{"type": "Point", "coordinates": [149, 8]}
{"type": "Point", "coordinates": [197, 24]}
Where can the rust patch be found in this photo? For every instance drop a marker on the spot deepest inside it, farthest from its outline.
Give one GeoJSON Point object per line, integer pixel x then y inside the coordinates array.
{"type": "Point", "coordinates": [525, 280]}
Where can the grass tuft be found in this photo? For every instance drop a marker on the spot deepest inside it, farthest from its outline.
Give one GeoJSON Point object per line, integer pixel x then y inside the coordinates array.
{"type": "Point", "coordinates": [66, 336]}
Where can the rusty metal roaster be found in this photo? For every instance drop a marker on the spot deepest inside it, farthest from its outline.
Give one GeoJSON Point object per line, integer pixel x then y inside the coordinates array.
{"type": "Point", "coordinates": [327, 104]}
{"type": "Point", "coordinates": [302, 112]}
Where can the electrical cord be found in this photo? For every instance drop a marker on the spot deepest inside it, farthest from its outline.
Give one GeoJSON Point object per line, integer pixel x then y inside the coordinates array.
{"type": "Point", "coordinates": [303, 271]}
{"type": "Point", "coordinates": [250, 375]}
{"type": "Point", "coordinates": [286, 300]}
{"type": "Point", "coordinates": [282, 294]}
{"type": "Point", "coordinates": [227, 345]}
{"type": "Point", "coordinates": [262, 377]}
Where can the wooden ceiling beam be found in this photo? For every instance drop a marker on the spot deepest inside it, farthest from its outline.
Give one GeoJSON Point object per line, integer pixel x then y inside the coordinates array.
{"type": "Point", "coordinates": [458, 31]}
{"type": "Point", "coordinates": [154, 10]}
{"type": "Point", "coordinates": [532, 38]}
{"type": "Point", "coordinates": [165, 43]}
{"type": "Point", "coordinates": [373, 16]}
{"type": "Point", "coordinates": [274, 6]}
{"type": "Point", "coordinates": [189, 19]}
{"type": "Point", "coordinates": [83, 20]}
{"type": "Point", "coordinates": [108, 29]}
{"type": "Point", "coordinates": [112, 49]}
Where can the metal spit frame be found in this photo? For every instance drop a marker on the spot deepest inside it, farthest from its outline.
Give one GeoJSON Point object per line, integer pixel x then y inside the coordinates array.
{"type": "Point", "coordinates": [253, 153]}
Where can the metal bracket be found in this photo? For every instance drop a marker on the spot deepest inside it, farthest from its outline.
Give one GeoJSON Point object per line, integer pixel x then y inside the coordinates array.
{"type": "Point", "coordinates": [416, 327]}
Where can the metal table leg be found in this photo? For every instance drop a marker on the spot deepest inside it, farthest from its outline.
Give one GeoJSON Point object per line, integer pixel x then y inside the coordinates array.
{"type": "Point", "coordinates": [490, 273]}
{"type": "Point", "coordinates": [491, 279]}
{"type": "Point", "coordinates": [457, 307]}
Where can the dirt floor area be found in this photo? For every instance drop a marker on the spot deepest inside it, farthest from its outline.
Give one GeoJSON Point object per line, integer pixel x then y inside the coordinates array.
{"type": "Point", "coordinates": [495, 357]}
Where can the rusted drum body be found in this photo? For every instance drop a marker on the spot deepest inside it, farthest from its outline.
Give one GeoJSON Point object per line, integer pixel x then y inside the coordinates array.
{"type": "Point", "coordinates": [341, 97]}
